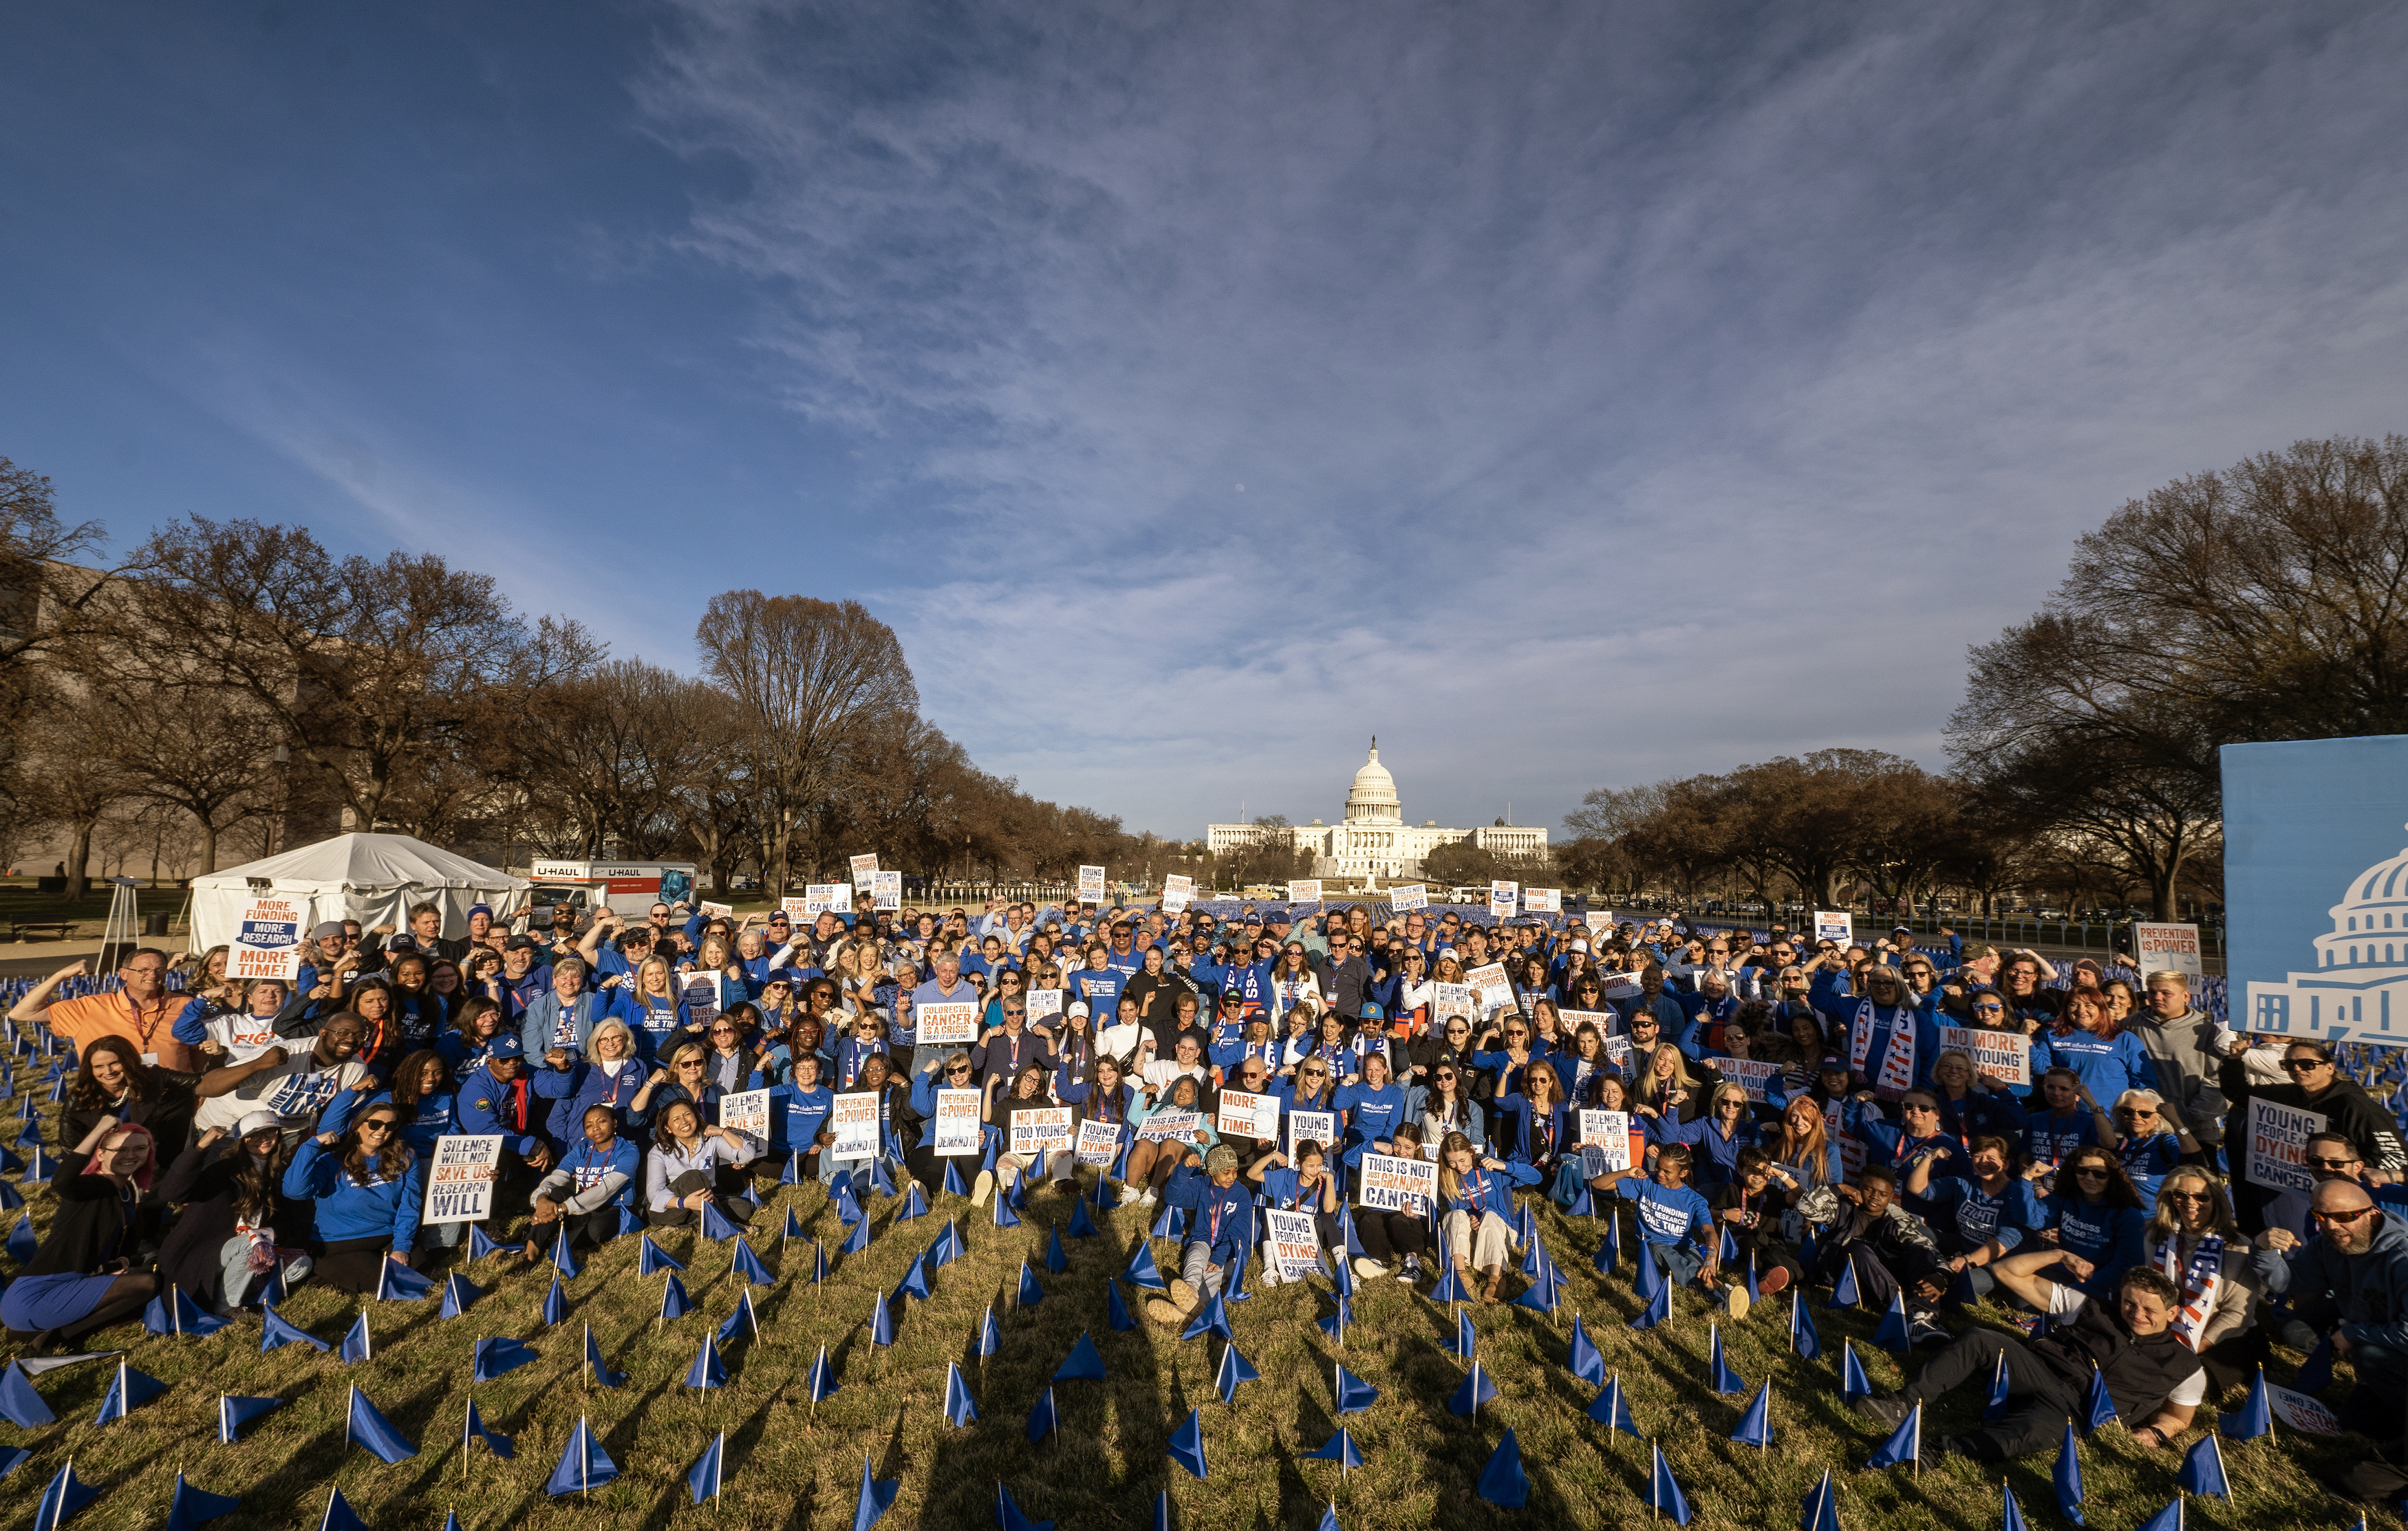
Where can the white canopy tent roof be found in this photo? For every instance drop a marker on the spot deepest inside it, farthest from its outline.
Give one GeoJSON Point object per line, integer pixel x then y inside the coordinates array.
{"type": "Point", "coordinates": [373, 878]}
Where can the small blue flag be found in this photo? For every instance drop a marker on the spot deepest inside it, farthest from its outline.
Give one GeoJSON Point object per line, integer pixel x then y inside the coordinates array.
{"type": "Point", "coordinates": [707, 1371]}
{"type": "Point", "coordinates": [2315, 1372]}
{"type": "Point", "coordinates": [2254, 1418]}
{"type": "Point", "coordinates": [2168, 1519]}
{"type": "Point", "coordinates": [702, 1479]}
{"type": "Point", "coordinates": [674, 1302]}
{"type": "Point", "coordinates": [1449, 1286]}
{"type": "Point", "coordinates": [556, 1302]}
{"type": "Point", "coordinates": [1609, 1254]}
{"type": "Point", "coordinates": [1844, 1293]}
{"type": "Point", "coordinates": [473, 1429]}
{"type": "Point", "coordinates": [1009, 1516]}
{"type": "Point", "coordinates": [915, 1279]}
{"type": "Point", "coordinates": [880, 1178]}
{"type": "Point", "coordinates": [1187, 1443]}
{"type": "Point", "coordinates": [483, 1244]}
{"type": "Point", "coordinates": [190, 1507]}
{"type": "Point", "coordinates": [1805, 1340]}
{"type": "Point", "coordinates": [584, 1464]}
{"type": "Point", "coordinates": [1334, 1325]}
{"type": "Point", "coordinates": [2068, 1478]}
{"type": "Point", "coordinates": [858, 1240]}
{"type": "Point", "coordinates": [716, 1225]}
{"type": "Point", "coordinates": [1084, 1364]}
{"type": "Point", "coordinates": [171, 1312]}
{"type": "Point", "coordinates": [914, 1205]}
{"type": "Point", "coordinates": [651, 1259]}
{"type": "Point", "coordinates": [19, 1405]}
{"type": "Point", "coordinates": [128, 1392]}
{"type": "Point", "coordinates": [370, 1429]}
{"type": "Point", "coordinates": [818, 1263]}
{"type": "Point", "coordinates": [1720, 1375]}
{"type": "Point", "coordinates": [959, 1410]}
{"type": "Point", "coordinates": [1853, 1383]}
{"type": "Point", "coordinates": [357, 1347]}
{"type": "Point", "coordinates": [494, 1358]}
{"type": "Point", "coordinates": [1004, 1216]}
{"type": "Point", "coordinates": [1893, 1335]}
{"type": "Point", "coordinates": [66, 1495]}
{"type": "Point", "coordinates": [848, 1205]}
{"type": "Point", "coordinates": [1210, 1319]}
{"type": "Point", "coordinates": [1905, 1444]}
{"type": "Point", "coordinates": [276, 1331]}
{"type": "Point", "coordinates": [1341, 1449]}
{"type": "Point", "coordinates": [1116, 1311]}
{"type": "Point", "coordinates": [990, 1335]}
{"type": "Point", "coordinates": [793, 1225]}
{"type": "Point", "coordinates": [1235, 1369]}
{"type": "Point", "coordinates": [234, 1412]}
{"type": "Point", "coordinates": [1082, 1225]}
{"type": "Point", "coordinates": [2011, 1514]}
{"type": "Point", "coordinates": [564, 1259]}
{"type": "Point", "coordinates": [1502, 1481]}
{"type": "Point", "coordinates": [1349, 1392]}
{"type": "Point", "coordinates": [1651, 1278]}
{"type": "Point", "coordinates": [1475, 1390]}
{"type": "Point", "coordinates": [1611, 1409]}
{"type": "Point", "coordinates": [1755, 1426]}
{"type": "Point", "coordinates": [2101, 1405]}
{"type": "Point", "coordinates": [882, 1322]}
{"type": "Point", "coordinates": [748, 1265]}
{"type": "Point", "coordinates": [1821, 1511]}
{"type": "Point", "coordinates": [820, 1384]}
{"type": "Point", "coordinates": [1466, 1343]}
{"type": "Point", "coordinates": [1031, 1292]}
{"type": "Point", "coordinates": [1664, 1495]}
{"type": "Point", "coordinates": [953, 1186]}
{"type": "Point", "coordinates": [397, 1282]}
{"type": "Point", "coordinates": [1658, 1309]}
{"type": "Point", "coordinates": [2203, 1471]}
{"type": "Point", "coordinates": [1057, 1259]}
{"type": "Point", "coordinates": [876, 1494]}
{"type": "Point", "coordinates": [1041, 1417]}
{"type": "Point", "coordinates": [602, 1375]}
{"type": "Point", "coordinates": [458, 1294]}
{"type": "Point", "coordinates": [1167, 1224]}
{"type": "Point", "coordinates": [2001, 1393]}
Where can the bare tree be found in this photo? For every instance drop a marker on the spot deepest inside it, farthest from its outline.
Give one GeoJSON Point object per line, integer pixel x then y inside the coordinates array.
{"type": "Point", "coordinates": [209, 752]}
{"type": "Point", "coordinates": [805, 674]}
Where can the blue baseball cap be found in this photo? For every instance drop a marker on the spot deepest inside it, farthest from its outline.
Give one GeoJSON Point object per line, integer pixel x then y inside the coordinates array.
{"type": "Point", "coordinates": [505, 1044]}
{"type": "Point", "coordinates": [1371, 1012]}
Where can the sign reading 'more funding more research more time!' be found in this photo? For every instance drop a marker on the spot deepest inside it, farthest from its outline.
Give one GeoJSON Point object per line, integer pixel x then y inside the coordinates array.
{"type": "Point", "coordinates": [2315, 866]}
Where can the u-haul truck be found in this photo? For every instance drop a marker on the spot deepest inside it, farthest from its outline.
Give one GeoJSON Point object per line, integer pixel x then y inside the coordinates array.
{"type": "Point", "coordinates": [625, 887]}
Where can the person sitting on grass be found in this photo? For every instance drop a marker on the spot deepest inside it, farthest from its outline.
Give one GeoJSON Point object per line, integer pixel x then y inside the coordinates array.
{"type": "Point", "coordinates": [1862, 1229]}
{"type": "Point", "coordinates": [1307, 1186]}
{"type": "Point", "coordinates": [1670, 1214]}
{"type": "Point", "coordinates": [1979, 1219]}
{"type": "Point", "coordinates": [682, 1173]}
{"type": "Point", "coordinates": [2156, 1381]}
{"type": "Point", "coordinates": [1475, 1198]}
{"type": "Point", "coordinates": [368, 1186]}
{"type": "Point", "coordinates": [584, 1194]}
{"type": "Point", "coordinates": [82, 1278]}
{"type": "Point", "coordinates": [1749, 1206]}
{"type": "Point", "coordinates": [1219, 1233]}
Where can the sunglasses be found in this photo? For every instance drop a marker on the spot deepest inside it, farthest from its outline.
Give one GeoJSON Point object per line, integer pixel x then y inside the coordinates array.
{"type": "Point", "coordinates": [377, 1124]}
{"type": "Point", "coordinates": [2335, 1163]}
{"type": "Point", "coordinates": [2087, 1172]}
{"type": "Point", "coordinates": [2304, 1066]}
{"type": "Point", "coordinates": [2198, 1196]}
{"type": "Point", "coordinates": [2342, 1219]}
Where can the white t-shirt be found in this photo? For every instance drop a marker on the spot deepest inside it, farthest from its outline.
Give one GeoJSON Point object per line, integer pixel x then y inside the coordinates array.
{"type": "Point", "coordinates": [1159, 1073]}
{"type": "Point", "coordinates": [1121, 1042]}
{"type": "Point", "coordinates": [296, 1090]}
{"type": "Point", "coordinates": [242, 1034]}
{"type": "Point", "coordinates": [2065, 1301]}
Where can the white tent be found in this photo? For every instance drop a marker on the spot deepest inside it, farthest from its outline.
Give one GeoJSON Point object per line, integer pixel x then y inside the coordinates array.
{"type": "Point", "coordinates": [373, 878]}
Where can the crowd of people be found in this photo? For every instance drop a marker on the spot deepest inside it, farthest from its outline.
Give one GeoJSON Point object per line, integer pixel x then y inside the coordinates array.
{"type": "Point", "coordinates": [1782, 1111]}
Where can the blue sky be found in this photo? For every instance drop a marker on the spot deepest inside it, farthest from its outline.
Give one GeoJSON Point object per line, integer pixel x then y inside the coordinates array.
{"type": "Point", "coordinates": [1571, 395]}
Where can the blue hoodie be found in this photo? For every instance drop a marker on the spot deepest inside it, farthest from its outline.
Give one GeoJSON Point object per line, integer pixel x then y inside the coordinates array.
{"type": "Point", "coordinates": [353, 1209]}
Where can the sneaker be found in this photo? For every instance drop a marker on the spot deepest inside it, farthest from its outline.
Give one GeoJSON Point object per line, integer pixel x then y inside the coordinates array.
{"type": "Point", "coordinates": [1162, 1312]}
{"type": "Point", "coordinates": [1923, 1334]}
{"type": "Point", "coordinates": [1733, 1300]}
{"type": "Point", "coordinates": [979, 1187]}
{"type": "Point", "coordinates": [1369, 1269]}
{"type": "Point", "coordinates": [1776, 1279]}
{"type": "Point", "coordinates": [1412, 1267]}
{"type": "Point", "coordinates": [1184, 1298]}
{"type": "Point", "coordinates": [1148, 1199]}
{"type": "Point", "coordinates": [1270, 1273]}
{"type": "Point", "coordinates": [1887, 1410]}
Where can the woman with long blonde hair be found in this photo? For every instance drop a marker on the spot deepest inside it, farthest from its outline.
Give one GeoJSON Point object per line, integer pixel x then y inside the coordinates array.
{"type": "Point", "coordinates": [1666, 1089]}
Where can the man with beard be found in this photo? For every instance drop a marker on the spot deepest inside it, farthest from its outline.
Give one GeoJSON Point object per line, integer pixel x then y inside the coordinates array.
{"type": "Point", "coordinates": [2349, 1279]}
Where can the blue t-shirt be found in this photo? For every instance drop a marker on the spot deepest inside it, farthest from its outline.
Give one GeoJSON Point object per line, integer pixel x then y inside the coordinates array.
{"type": "Point", "coordinates": [1667, 1216]}
{"type": "Point", "coordinates": [1976, 1217]}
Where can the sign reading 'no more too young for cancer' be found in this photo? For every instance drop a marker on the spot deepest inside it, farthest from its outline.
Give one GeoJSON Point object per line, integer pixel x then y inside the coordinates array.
{"type": "Point", "coordinates": [268, 944]}
{"type": "Point", "coordinates": [2278, 1145]}
{"type": "Point", "coordinates": [1039, 1129]}
{"type": "Point", "coordinates": [947, 1024]}
{"type": "Point", "coordinates": [460, 1178]}
{"type": "Point", "coordinates": [2001, 1055]}
{"type": "Point", "coordinates": [1398, 1185]}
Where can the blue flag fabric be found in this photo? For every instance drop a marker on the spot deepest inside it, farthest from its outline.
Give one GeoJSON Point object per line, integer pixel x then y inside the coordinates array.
{"type": "Point", "coordinates": [959, 1409]}
{"type": "Point", "coordinates": [1821, 1511]}
{"type": "Point", "coordinates": [1844, 1292]}
{"type": "Point", "coordinates": [674, 1302]}
{"type": "Point", "coordinates": [1188, 1444]}
{"type": "Point", "coordinates": [13, 1457]}
{"type": "Point", "coordinates": [1083, 1364]}
{"type": "Point", "coordinates": [1502, 1482]}
{"type": "Point", "coordinates": [1755, 1426]}
{"type": "Point", "coordinates": [584, 1464]}
{"type": "Point", "coordinates": [2011, 1514]}
{"type": "Point", "coordinates": [494, 1358]}
{"type": "Point", "coordinates": [717, 1226]}
{"type": "Point", "coordinates": [276, 1331]}
{"type": "Point", "coordinates": [1234, 1370]}
{"type": "Point", "coordinates": [357, 1345]}
{"type": "Point", "coordinates": [707, 1371]}
{"type": "Point", "coordinates": [1540, 1296]}
{"type": "Point", "coordinates": [173, 1314]}
{"type": "Point", "coordinates": [128, 1390]}
{"type": "Point", "coordinates": [1658, 1309]}
{"type": "Point", "coordinates": [1082, 1225]}
{"type": "Point", "coordinates": [1853, 1383]}
{"type": "Point", "coordinates": [1058, 1260]}
{"type": "Point", "coordinates": [1343, 1277]}
{"type": "Point", "coordinates": [793, 1172]}
{"type": "Point", "coordinates": [1805, 1340]}
{"type": "Point", "coordinates": [1210, 1319]}
{"type": "Point", "coordinates": [2168, 1519]}
{"type": "Point", "coordinates": [1664, 1495]}
{"type": "Point", "coordinates": [818, 1263]}
{"type": "Point", "coordinates": [876, 1495]}
{"type": "Point", "coordinates": [459, 1293]}
{"type": "Point", "coordinates": [748, 1265]}
{"type": "Point", "coordinates": [1755, 1291]}
{"type": "Point", "coordinates": [10, 1198]}
{"type": "Point", "coordinates": [19, 1405]}
{"type": "Point", "coordinates": [1466, 1343]}
{"type": "Point", "coordinates": [2101, 1405]}
{"type": "Point", "coordinates": [1105, 1199]}
{"type": "Point", "coordinates": [820, 1384]}
{"type": "Point", "coordinates": [1904, 1445]}
{"type": "Point", "coordinates": [1351, 1393]}
{"type": "Point", "coordinates": [481, 1243]}
{"type": "Point", "coordinates": [1041, 1417]}
{"type": "Point", "coordinates": [881, 1178]}
{"type": "Point", "coordinates": [651, 1259]}
{"type": "Point", "coordinates": [1031, 1292]}
{"type": "Point", "coordinates": [367, 1428]}
{"type": "Point", "coordinates": [848, 1205]}
{"type": "Point", "coordinates": [1334, 1324]}
{"type": "Point", "coordinates": [1116, 1311]}
{"type": "Point", "coordinates": [915, 1280]}
{"type": "Point", "coordinates": [858, 1240]}
{"type": "Point", "coordinates": [564, 1259]}
{"type": "Point", "coordinates": [629, 1223]}
{"type": "Point", "coordinates": [1609, 1254]}
{"type": "Point", "coordinates": [1167, 1224]}
{"type": "Point", "coordinates": [2315, 1372]}
{"type": "Point", "coordinates": [741, 1322]}
{"type": "Point", "coordinates": [602, 1375]}
{"type": "Point", "coordinates": [1651, 1278]}
{"type": "Point", "coordinates": [1009, 1516]}
{"type": "Point", "coordinates": [794, 1228]}
{"type": "Point", "coordinates": [1586, 1363]}
{"type": "Point", "coordinates": [1142, 1272]}
{"type": "Point", "coordinates": [234, 1412]}
{"type": "Point", "coordinates": [1341, 1449]}
{"type": "Point", "coordinates": [1004, 1216]}
{"type": "Point", "coordinates": [1475, 1390]}
{"type": "Point", "coordinates": [916, 1205]}
{"type": "Point", "coordinates": [953, 1186]}
{"type": "Point", "coordinates": [397, 1282]}
{"type": "Point", "coordinates": [990, 1334]}
{"type": "Point", "coordinates": [474, 1428]}
{"type": "Point", "coordinates": [66, 1495]}
{"type": "Point", "coordinates": [555, 1303]}
{"type": "Point", "coordinates": [1611, 1409]}
{"type": "Point", "coordinates": [702, 1479]}
{"type": "Point", "coordinates": [2252, 1419]}
{"type": "Point", "coordinates": [1893, 1335]}
{"type": "Point", "coordinates": [2068, 1478]}
{"type": "Point", "coordinates": [1720, 1376]}
{"type": "Point", "coordinates": [1449, 1286]}
{"type": "Point", "coordinates": [882, 1322]}
{"type": "Point", "coordinates": [2203, 1471]}
{"type": "Point", "coordinates": [2000, 1394]}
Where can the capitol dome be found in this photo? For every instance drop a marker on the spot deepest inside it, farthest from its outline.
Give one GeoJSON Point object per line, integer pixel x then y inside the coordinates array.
{"type": "Point", "coordinates": [1372, 798]}
{"type": "Point", "coordinates": [2371, 923]}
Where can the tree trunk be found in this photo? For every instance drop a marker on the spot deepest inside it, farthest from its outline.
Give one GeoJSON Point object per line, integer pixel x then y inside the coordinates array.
{"type": "Point", "coordinates": [80, 860]}
{"type": "Point", "coordinates": [208, 845]}
{"type": "Point", "coordinates": [2166, 885]}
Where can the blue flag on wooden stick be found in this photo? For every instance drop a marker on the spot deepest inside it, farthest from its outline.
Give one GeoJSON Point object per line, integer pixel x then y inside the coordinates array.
{"type": "Point", "coordinates": [1586, 1363]}
{"type": "Point", "coordinates": [1349, 1392]}
{"type": "Point", "coordinates": [1611, 1409]}
{"type": "Point", "coordinates": [1341, 1449]}
{"type": "Point", "coordinates": [1083, 1364]}
{"type": "Point", "coordinates": [555, 1303]}
{"type": "Point", "coordinates": [601, 1375]}
{"type": "Point", "coordinates": [1853, 1383]}
{"type": "Point", "coordinates": [64, 1496]}
{"type": "Point", "coordinates": [702, 1479]}
{"type": "Point", "coordinates": [2203, 1471]}
{"type": "Point", "coordinates": [1502, 1482]}
{"type": "Point", "coordinates": [584, 1464]}
{"type": "Point", "coordinates": [234, 1412]}
{"type": "Point", "coordinates": [276, 1331]}
{"type": "Point", "coordinates": [2068, 1476]}
{"type": "Point", "coordinates": [651, 1259]}
{"type": "Point", "coordinates": [2254, 1418]}
{"type": "Point", "coordinates": [1664, 1495]}
{"type": "Point", "coordinates": [1475, 1390]}
{"type": "Point", "coordinates": [1187, 1443]}
{"type": "Point", "coordinates": [1904, 1445]}
{"type": "Point", "coordinates": [748, 1265]}
{"type": "Point", "coordinates": [959, 1410]}
{"type": "Point", "coordinates": [707, 1371]}
{"type": "Point", "coordinates": [1009, 1516]}
{"type": "Point", "coordinates": [674, 1302]}
{"type": "Point", "coordinates": [876, 1495]}
{"type": "Point", "coordinates": [1755, 1426]}
{"type": "Point", "coordinates": [1720, 1375]}
{"type": "Point", "coordinates": [1040, 1416]}
{"type": "Point", "coordinates": [473, 1429]}
{"type": "Point", "coordinates": [1805, 1340]}
{"type": "Point", "coordinates": [129, 1391]}
{"type": "Point", "coordinates": [1234, 1370]}
{"type": "Point", "coordinates": [365, 1426]}
{"type": "Point", "coordinates": [190, 1507]}
{"type": "Point", "coordinates": [494, 1358]}
{"type": "Point", "coordinates": [820, 1384]}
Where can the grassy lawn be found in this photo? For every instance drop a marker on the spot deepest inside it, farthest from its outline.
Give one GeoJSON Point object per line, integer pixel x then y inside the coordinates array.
{"type": "Point", "coordinates": [789, 1464]}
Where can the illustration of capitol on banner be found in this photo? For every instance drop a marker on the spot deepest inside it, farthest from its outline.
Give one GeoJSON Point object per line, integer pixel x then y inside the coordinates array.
{"type": "Point", "coordinates": [1372, 840]}
{"type": "Point", "coordinates": [2361, 982]}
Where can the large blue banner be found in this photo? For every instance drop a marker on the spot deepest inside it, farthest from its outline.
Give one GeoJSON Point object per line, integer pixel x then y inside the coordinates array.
{"type": "Point", "coordinates": [2316, 874]}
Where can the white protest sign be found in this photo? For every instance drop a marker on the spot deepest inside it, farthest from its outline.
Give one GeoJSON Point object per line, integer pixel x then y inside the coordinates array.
{"type": "Point", "coordinates": [1242, 1115]}
{"type": "Point", "coordinates": [1091, 885]}
{"type": "Point", "coordinates": [1042, 1003]}
{"type": "Point", "coordinates": [2278, 1145]}
{"type": "Point", "coordinates": [1099, 1143]}
{"type": "Point", "coordinates": [1835, 926]}
{"type": "Point", "coordinates": [2159, 948]}
{"type": "Point", "coordinates": [2003, 1055]}
{"type": "Point", "coordinates": [1452, 999]}
{"type": "Point", "coordinates": [1039, 1129]}
{"type": "Point", "coordinates": [1605, 1135]}
{"type": "Point", "coordinates": [1311, 1127]}
{"type": "Point", "coordinates": [1571, 1021]}
{"type": "Point", "coordinates": [946, 1024]}
{"type": "Point", "coordinates": [1504, 898]}
{"type": "Point", "coordinates": [268, 943]}
{"type": "Point", "coordinates": [796, 910]}
{"type": "Point", "coordinates": [886, 890]}
{"type": "Point", "coordinates": [460, 1178]}
{"type": "Point", "coordinates": [2301, 1413]}
{"type": "Point", "coordinates": [1600, 920]}
{"type": "Point", "coordinates": [1294, 1242]}
{"type": "Point", "coordinates": [1748, 1074]}
{"type": "Point", "coordinates": [1543, 900]}
{"type": "Point", "coordinates": [864, 869]}
{"type": "Point", "coordinates": [700, 992]}
{"type": "Point", "coordinates": [747, 1112]}
{"type": "Point", "coordinates": [1398, 1185]}
{"type": "Point", "coordinates": [715, 912]}
{"type": "Point", "coordinates": [1176, 894]}
{"type": "Point", "coordinates": [854, 1123]}
{"type": "Point", "coordinates": [1170, 1126]}
{"type": "Point", "coordinates": [1304, 891]}
{"type": "Point", "coordinates": [1409, 896]}
{"type": "Point", "coordinates": [828, 898]}
{"type": "Point", "coordinates": [1618, 985]}
{"type": "Point", "coordinates": [1489, 987]}
{"type": "Point", "coordinates": [1617, 1051]}
{"type": "Point", "coordinates": [957, 1123]}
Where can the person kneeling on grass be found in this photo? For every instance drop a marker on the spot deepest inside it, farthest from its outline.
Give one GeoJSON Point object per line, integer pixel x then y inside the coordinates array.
{"type": "Point", "coordinates": [1670, 1214]}
{"type": "Point", "coordinates": [1475, 1197]}
{"type": "Point", "coordinates": [2150, 1373]}
{"type": "Point", "coordinates": [1749, 1205]}
{"type": "Point", "coordinates": [1220, 1232]}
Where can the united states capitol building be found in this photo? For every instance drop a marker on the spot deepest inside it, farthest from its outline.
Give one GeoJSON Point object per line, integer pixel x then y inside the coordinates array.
{"type": "Point", "coordinates": [1373, 840]}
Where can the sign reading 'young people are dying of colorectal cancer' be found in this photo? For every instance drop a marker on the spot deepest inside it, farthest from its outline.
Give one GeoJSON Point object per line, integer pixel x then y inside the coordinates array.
{"type": "Point", "coordinates": [1091, 885]}
{"type": "Point", "coordinates": [1099, 1143]}
{"type": "Point", "coordinates": [2278, 1145]}
{"type": "Point", "coordinates": [1295, 1244]}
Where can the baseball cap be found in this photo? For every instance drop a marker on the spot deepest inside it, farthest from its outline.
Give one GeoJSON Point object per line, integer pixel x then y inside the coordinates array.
{"type": "Point", "coordinates": [1832, 1063]}
{"type": "Point", "coordinates": [1371, 1012]}
{"type": "Point", "coordinates": [505, 1044]}
{"type": "Point", "coordinates": [258, 1121]}
{"type": "Point", "coordinates": [1078, 1007]}
{"type": "Point", "coordinates": [519, 943]}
